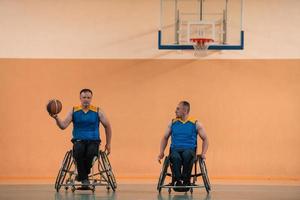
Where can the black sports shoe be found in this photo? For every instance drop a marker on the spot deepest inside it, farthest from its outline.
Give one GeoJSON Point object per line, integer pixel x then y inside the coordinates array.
{"type": "Point", "coordinates": [182, 188]}
{"type": "Point", "coordinates": [178, 183]}
{"type": "Point", "coordinates": [186, 183]}
{"type": "Point", "coordinates": [85, 182]}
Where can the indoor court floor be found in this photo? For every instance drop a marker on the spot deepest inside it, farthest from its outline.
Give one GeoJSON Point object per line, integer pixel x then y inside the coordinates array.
{"type": "Point", "coordinates": [148, 192]}
{"type": "Point", "coordinates": [150, 80]}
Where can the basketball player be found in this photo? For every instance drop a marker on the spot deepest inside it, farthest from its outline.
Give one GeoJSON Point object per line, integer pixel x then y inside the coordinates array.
{"type": "Point", "coordinates": [86, 119]}
{"type": "Point", "coordinates": [183, 131]}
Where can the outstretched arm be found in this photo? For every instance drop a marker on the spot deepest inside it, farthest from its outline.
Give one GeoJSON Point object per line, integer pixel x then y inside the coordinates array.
{"type": "Point", "coordinates": [107, 127]}
{"type": "Point", "coordinates": [63, 124]}
{"type": "Point", "coordinates": [164, 143]}
{"type": "Point", "coordinates": [204, 138]}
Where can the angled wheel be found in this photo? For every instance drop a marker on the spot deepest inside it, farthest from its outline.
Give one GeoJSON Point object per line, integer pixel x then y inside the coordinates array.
{"type": "Point", "coordinates": [163, 173]}
{"type": "Point", "coordinates": [63, 170]}
{"type": "Point", "coordinates": [108, 170]}
{"type": "Point", "coordinates": [204, 175]}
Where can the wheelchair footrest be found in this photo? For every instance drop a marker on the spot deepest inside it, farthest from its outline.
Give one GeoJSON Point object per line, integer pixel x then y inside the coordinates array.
{"type": "Point", "coordinates": [181, 189]}
{"type": "Point", "coordinates": [85, 188]}
{"type": "Point", "coordinates": [190, 186]}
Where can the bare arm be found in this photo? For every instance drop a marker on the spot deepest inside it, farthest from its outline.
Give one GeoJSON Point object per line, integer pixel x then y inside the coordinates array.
{"type": "Point", "coordinates": [63, 124]}
{"type": "Point", "coordinates": [164, 143]}
{"type": "Point", "coordinates": [107, 127]}
{"type": "Point", "coordinates": [204, 138]}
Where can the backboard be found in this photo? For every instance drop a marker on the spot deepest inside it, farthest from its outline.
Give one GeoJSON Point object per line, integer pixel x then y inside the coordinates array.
{"type": "Point", "coordinates": [219, 20]}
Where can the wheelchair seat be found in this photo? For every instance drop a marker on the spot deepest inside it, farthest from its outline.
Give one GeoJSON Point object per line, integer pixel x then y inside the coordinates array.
{"type": "Point", "coordinates": [101, 174]}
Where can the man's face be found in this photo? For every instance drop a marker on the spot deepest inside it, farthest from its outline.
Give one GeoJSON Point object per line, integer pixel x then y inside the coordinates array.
{"type": "Point", "coordinates": [85, 99]}
{"type": "Point", "coordinates": [180, 110]}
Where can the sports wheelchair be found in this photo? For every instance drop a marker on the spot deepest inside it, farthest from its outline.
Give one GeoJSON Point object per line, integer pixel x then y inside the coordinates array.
{"type": "Point", "coordinates": [101, 174]}
{"type": "Point", "coordinates": [168, 171]}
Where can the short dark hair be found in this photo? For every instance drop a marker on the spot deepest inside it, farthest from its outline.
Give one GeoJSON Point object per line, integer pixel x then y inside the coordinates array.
{"type": "Point", "coordinates": [86, 90]}
{"type": "Point", "coordinates": [186, 105]}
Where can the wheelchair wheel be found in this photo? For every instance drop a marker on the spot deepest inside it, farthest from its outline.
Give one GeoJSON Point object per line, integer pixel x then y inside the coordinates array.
{"type": "Point", "coordinates": [108, 170]}
{"type": "Point", "coordinates": [63, 170]}
{"type": "Point", "coordinates": [204, 175]}
{"type": "Point", "coordinates": [109, 166]}
{"type": "Point", "coordinates": [163, 174]}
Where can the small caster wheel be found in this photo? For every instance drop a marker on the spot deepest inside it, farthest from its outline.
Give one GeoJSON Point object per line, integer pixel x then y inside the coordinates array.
{"type": "Point", "coordinates": [191, 190]}
{"type": "Point", "coordinates": [73, 189]}
{"type": "Point", "coordinates": [66, 188]}
{"type": "Point", "coordinates": [108, 188]}
{"type": "Point", "coordinates": [169, 190]}
{"type": "Point", "coordinates": [93, 189]}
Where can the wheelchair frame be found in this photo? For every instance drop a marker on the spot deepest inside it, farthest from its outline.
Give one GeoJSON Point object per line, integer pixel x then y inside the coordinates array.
{"type": "Point", "coordinates": [103, 177]}
{"type": "Point", "coordinates": [203, 172]}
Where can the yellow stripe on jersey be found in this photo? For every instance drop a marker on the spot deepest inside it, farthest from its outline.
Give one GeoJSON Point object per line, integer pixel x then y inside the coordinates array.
{"type": "Point", "coordinates": [190, 119]}
{"type": "Point", "coordinates": [91, 107]}
{"type": "Point", "coordinates": [77, 108]}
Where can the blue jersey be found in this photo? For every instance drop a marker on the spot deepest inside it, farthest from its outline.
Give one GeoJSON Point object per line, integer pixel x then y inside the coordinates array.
{"type": "Point", "coordinates": [86, 125]}
{"type": "Point", "coordinates": [183, 134]}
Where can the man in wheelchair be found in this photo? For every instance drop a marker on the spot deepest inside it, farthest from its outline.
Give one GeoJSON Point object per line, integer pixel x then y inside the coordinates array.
{"type": "Point", "coordinates": [183, 131]}
{"type": "Point", "coordinates": [86, 138]}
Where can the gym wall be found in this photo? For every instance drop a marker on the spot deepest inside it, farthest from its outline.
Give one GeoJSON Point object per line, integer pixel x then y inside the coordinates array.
{"type": "Point", "coordinates": [250, 109]}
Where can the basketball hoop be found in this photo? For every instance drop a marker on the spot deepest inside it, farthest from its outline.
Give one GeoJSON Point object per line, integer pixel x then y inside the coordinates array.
{"type": "Point", "coordinates": [201, 46]}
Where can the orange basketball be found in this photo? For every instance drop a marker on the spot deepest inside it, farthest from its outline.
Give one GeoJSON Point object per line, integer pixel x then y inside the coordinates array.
{"type": "Point", "coordinates": [54, 106]}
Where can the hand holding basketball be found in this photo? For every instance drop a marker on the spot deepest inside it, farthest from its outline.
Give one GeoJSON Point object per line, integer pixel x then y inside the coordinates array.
{"type": "Point", "coordinates": [54, 107]}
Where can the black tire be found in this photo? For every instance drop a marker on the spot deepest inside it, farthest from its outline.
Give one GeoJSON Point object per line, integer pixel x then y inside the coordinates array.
{"type": "Point", "coordinates": [163, 173]}
{"type": "Point", "coordinates": [204, 175]}
{"type": "Point", "coordinates": [108, 170]}
{"type": "Point", "coordinates": [63, 170]}
{"type": "Point", "coordinates": [207, 176]}
{"type": "Point", "coordinates": [60, 173]}
{"type": "Point", "coordinates": [112, 174]}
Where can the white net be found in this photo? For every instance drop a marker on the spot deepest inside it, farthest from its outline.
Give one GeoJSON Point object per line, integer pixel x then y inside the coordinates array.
{"type": "Point", "coordinates": [201, 46]}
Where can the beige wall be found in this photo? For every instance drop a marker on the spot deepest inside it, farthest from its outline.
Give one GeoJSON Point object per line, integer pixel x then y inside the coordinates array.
{"type": "Point", "coordinates": [250, 109]}
{"type": "Point", "coordinates": [128, 29]}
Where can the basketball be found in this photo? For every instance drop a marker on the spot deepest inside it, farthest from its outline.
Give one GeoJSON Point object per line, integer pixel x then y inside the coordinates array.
{"type": "Point", "coordinates": [54, 106]}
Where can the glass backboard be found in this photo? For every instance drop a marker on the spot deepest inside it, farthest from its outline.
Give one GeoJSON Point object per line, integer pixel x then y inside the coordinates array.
{"type": "Point", "coordinates": [183, 20]}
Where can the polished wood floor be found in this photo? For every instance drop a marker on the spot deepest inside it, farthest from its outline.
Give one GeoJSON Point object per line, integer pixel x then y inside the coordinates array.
{"type": "Point", "coordinates": [148, 192]}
